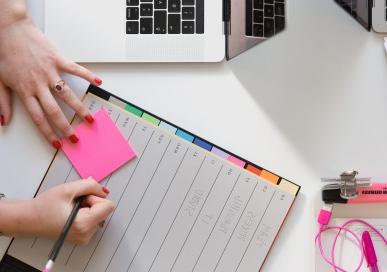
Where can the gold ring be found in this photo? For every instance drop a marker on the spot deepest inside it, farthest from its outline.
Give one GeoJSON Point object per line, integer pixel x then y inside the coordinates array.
{"type": "Point", "coordinates": [59, 86]}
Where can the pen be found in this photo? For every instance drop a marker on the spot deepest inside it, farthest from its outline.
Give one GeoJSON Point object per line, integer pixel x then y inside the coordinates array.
{"type": "Point", "coordinates": [59, 243]}
{"type": "Point", "coordinates": [369, 252]}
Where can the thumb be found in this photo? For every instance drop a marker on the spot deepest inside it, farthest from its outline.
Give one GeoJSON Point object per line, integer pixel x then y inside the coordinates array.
{"type": "Point", "coordinates": [5, 105]}
{"type": "Point", "coordinates": [86, 187]}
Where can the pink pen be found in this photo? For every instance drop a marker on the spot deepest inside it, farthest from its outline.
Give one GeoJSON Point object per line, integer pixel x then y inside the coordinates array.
{"type": "Point", "coordinates": [369, 252]}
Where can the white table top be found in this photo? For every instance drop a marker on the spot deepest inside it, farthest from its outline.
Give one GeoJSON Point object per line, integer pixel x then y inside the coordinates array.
{"type": "Point", "coordinates": [310, 102]}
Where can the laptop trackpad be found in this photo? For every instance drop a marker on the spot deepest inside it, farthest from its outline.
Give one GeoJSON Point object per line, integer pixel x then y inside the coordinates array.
{"type": "Point", "coordinates": [87, 30]}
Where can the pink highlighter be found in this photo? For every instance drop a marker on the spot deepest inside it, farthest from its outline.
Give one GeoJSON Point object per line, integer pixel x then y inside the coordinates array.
{"type": "Point", "coordinates": [371, 193]}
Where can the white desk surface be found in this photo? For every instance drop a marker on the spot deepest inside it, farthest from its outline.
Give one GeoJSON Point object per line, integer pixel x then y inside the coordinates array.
{"type": "Point", "coordinates": [310, 102]}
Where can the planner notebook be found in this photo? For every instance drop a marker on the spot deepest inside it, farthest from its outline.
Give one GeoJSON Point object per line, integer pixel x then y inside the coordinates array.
{"type": "Point", "coordinates": [183, 204]}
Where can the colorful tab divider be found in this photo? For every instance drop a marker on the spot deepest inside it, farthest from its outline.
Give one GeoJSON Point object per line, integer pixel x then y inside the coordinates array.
{"type": "Point", "coordinates": [283, 183]}
{"type": "Point", "coordinates": [236, 161]}
{"type": "Point", "coordinates": [151, 119]}
{"type": "Point", "coordinates": [134, 110]}
{"type": "Point", "coordinates": [203, 144]}
{"type": "Point", "coordinates": [289, 186]}
{"type": "Point", "coordinates": [269, 176]}
{"type": "Point", "coordinates": [168, 127]}
{"type": "Point", "coordinates": [220, 153]}
{"type": "Point", "coordinates": [185, 135]}
{"type": "Point", "coordinates": [254, 169]}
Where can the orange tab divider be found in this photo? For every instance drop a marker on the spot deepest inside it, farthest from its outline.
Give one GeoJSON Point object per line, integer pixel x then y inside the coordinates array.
{"type": "Point", "coordinates": [269, 176]}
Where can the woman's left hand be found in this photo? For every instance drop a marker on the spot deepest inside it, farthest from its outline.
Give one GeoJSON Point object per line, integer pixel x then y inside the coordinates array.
{"type": "Point", "coordinates": [31, 67]}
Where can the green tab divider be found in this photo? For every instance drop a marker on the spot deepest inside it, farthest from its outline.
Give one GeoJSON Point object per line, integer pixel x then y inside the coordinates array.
{"type": "Point", "coordinates": [133, 110]}
{"type": "Point", "coordinates": [151, 119]}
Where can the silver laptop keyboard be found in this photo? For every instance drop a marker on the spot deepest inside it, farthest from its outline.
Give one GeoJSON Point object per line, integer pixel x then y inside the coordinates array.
{"type": "Point", "coordinates": [264, 18]}
{"type": "Point", "coordinates": [164, 17]}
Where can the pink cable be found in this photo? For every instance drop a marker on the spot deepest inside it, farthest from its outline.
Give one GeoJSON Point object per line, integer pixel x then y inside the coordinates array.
{"type": "Point", "coordinates": [343, 228]}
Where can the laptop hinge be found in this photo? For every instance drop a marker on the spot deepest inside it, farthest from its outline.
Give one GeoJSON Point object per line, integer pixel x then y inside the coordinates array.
{"type": "Point", "coordinates": [226, 16]}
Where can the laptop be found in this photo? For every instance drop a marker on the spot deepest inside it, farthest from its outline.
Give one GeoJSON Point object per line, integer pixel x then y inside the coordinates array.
{"type": "Point", "coordinates": [160, 30]}
{"type": "Point", "coordinates": [372, 14]}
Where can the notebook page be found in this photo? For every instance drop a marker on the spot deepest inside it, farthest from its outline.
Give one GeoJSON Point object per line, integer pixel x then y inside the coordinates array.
{"type": "Point", "coordinates": [178, 208]}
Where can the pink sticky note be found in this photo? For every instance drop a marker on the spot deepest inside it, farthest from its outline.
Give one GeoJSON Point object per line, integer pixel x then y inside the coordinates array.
{"type": "Point", "coordinates": [101, 148]}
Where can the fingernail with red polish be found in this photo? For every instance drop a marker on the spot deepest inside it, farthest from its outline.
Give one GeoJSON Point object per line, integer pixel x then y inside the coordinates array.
{"type": "Point", "coordinates": [74, 139]}
{"type": "Point", "coordinates": [56, 144]}
{"type": "Point", "coordinates": [2, 120]}
{"type": "Point", "coordinates": [98, 81]}
{"type": "Point", "coordinates": [89, 118]}
{"type": "Point", "coordinates": [105, 190]}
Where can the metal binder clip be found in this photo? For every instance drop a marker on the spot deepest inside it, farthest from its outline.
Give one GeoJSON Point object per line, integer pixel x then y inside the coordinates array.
{"type": "Point", "coordinates": [347, 183]}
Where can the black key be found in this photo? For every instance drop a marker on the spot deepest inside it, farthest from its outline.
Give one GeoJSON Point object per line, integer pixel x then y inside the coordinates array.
{"type": "Point", "coordinates": [146, 9]}
{"type": "Point", "coordinates": [279, 23]}
{"type": "Point", "coordinates": [282, 1]}
{"type": "Point", "coordinates": [132, 27]}
{"type": "Point", "coordinates": [174, 6]}
{"type": "Point", "coordinates": [249, 17]}
{"type": "Point", "coordinates": [188, 27]}
{"type": "Point", "coordinates": [132, 2]}
{"type": "Point", "coordinates": [160, 4]}
{"type": "Point", "coordinates": [268, 29]}
{"type": "Point", "coordinates": [188, 2]}
{"type": "Point", "coordinates": [146, 25]}
{"type": "Point", "coordinates": [279, 9]}
{"type": "Point", "coordinates": [188, 13]}
{"type": "Point", "coordinates": [173, 23]}
{"type": "Point", "coordinates": [266, 2]}
{"type": "Point", "coordinates": [160, 26]}
{"type": "Point", "coordinates": [258, 16]}
{"type": "Point", "coordinates": [258, 30]}
{"type": "Point", "coordinates": [147, 1]}
{"type": "Point", "coordinates": [269, 11]}
{"type": "Point", "coordinates": [258, 4]}
{"type": "Point", "coordinates": [200, 16]}
{"type": "Point", "coordinates": [132, 13]}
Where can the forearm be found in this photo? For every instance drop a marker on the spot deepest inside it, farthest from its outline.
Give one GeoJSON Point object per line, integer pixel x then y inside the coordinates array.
{"type": "Point", "coordinates": [17, 217]}
{"type": "Point", "coordinates": [12, 11]}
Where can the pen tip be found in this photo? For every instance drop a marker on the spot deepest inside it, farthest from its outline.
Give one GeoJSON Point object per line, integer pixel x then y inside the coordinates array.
{"type": "Point", "coordinates": [48, 266]}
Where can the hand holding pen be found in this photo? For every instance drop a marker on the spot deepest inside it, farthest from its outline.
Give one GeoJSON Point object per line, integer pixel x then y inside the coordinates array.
{"type": "Point", "coordinates": [86, 207]}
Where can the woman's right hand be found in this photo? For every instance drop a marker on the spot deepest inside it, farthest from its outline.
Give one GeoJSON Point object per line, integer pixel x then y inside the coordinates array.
{"type": "Point", "coordinates": [46, 214]}
{"type": "Point", "coordinates": [53, 207]}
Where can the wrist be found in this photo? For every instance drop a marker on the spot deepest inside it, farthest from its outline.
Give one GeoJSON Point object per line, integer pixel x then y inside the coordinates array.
{"type": "Point", "coordinates": [12, 11]}
{"type": "Point", "coordinates": [19, 218]}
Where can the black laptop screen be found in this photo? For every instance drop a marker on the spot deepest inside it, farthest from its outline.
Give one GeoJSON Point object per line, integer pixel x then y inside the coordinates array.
{"type": "Point", "coordinates": [359, 9]}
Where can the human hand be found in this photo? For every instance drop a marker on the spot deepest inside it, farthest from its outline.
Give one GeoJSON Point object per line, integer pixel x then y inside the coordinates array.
{"type": "Point", "coordinates": [51, 210]}
{"type": "Point", "coordinates": [31, 67]}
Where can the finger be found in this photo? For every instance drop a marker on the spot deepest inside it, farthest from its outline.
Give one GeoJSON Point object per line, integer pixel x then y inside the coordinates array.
{"type": "Point", "coordinates": [68, 96]}
{"type": "Point", "coordinates": [56, 115]}
{"type": "Point", "coordinates": [91, 200]}
{"type": "Point", "coordinates": [86, 187]}
{"type": "Point", "coordinates": [34, 109]}
{"type": "Point", "coordinates": [101, 210]}
{"type": "Point", "coordinates": [79, 71]}
{"type": "Point", "coordinates": [5, 105]}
